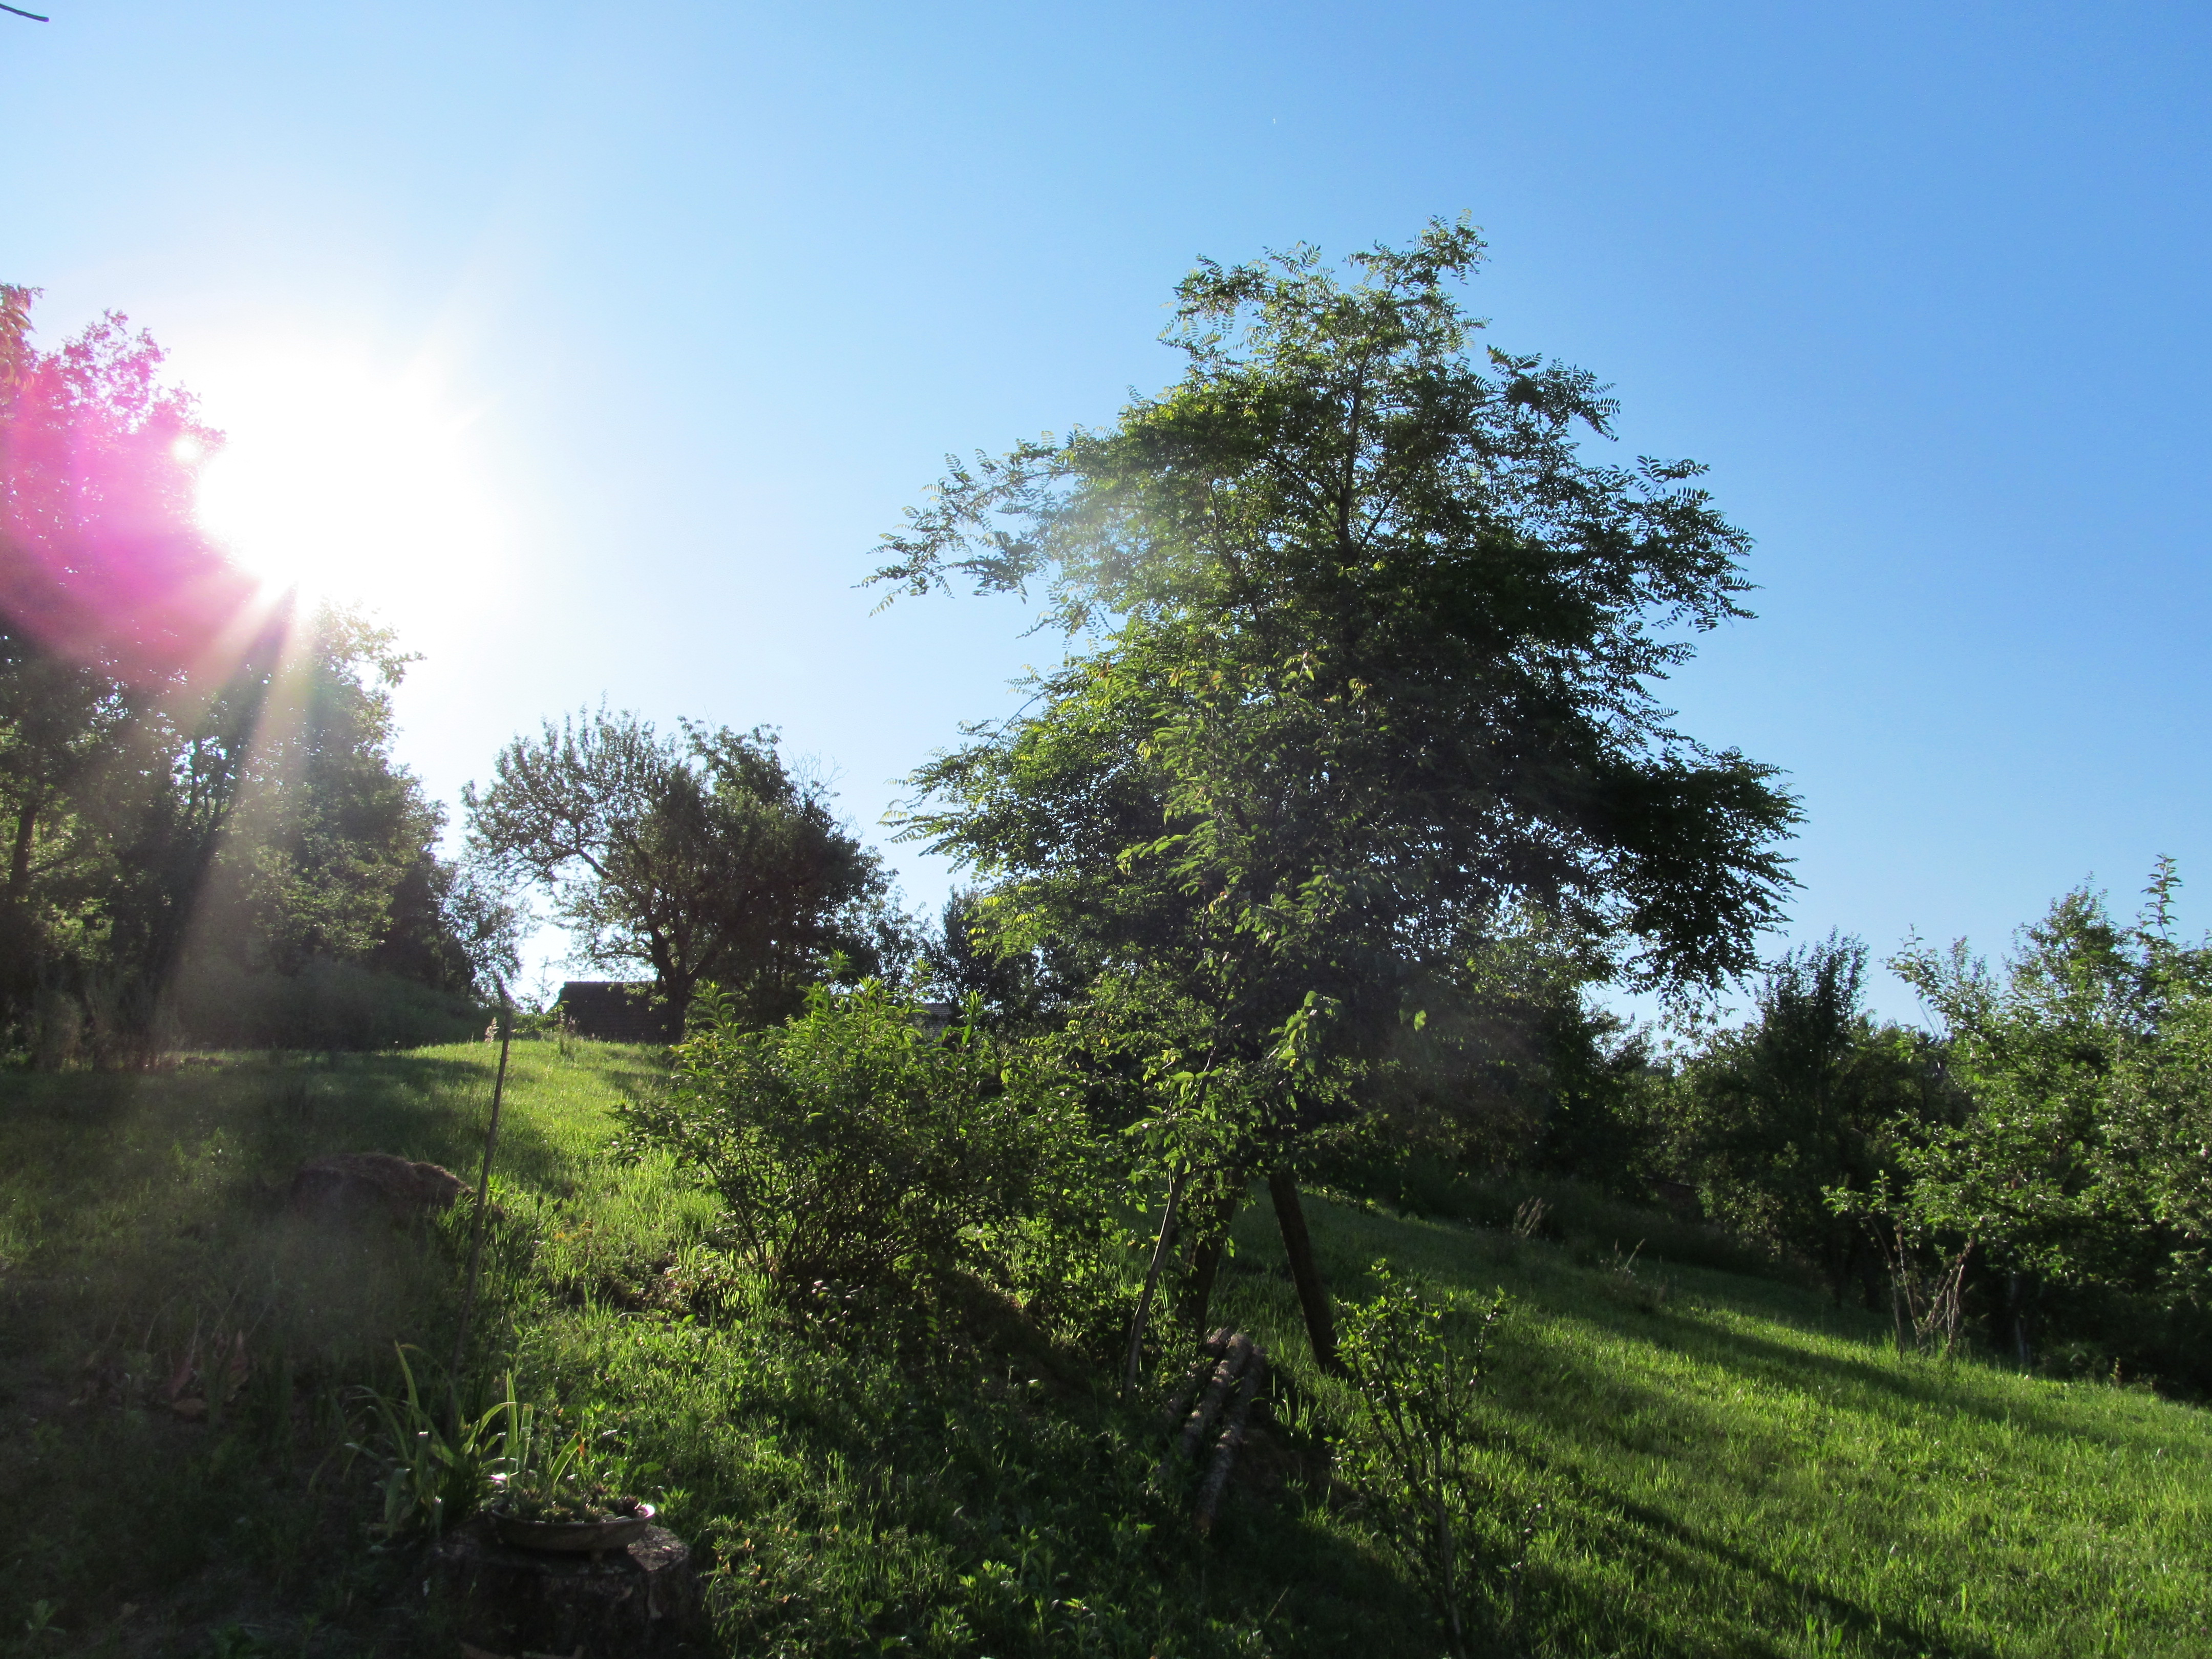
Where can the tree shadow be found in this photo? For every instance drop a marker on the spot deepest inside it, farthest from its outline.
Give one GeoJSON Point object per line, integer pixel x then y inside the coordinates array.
{"type": "Point", "coordinates": [1561, 1454]}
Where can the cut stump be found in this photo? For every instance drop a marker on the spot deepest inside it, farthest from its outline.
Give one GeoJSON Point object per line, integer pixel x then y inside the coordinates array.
{"type": "Point", "coordinates": [643, 1600]}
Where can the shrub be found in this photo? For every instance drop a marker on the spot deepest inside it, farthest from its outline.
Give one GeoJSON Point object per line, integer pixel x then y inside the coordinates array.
{"type": "Point", "coordinates": [860, 1159]}
{"type": "Point", "coordinates": [326, 1005]}
{"type": "Point", "coordinates": [1409, 1448]}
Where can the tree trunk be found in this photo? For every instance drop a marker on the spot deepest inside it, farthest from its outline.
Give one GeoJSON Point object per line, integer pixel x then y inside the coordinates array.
{"type": "Point", "coordinates": [1313, 1295]}
{"type": "Point", "coordinates": [19, 862]}
{"type": "Point", "coordinates": [1212, 1239]}
{"type": "Point", "coordinates": [2020, 1299]}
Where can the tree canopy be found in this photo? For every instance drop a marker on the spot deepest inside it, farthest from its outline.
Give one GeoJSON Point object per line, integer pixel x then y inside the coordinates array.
{"type": "Point", "coordinates": [196, 780]}
{"type": "Point", "coordinates": [1364, 653]}
{"type": "Point", "coordinates": [2085, 1061]}
{"type": "Point", "coordinates": [698, 857]}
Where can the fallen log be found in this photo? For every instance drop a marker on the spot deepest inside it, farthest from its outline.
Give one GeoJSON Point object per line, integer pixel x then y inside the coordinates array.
{"type": "Point", "coordinates": [1209, 1356]}
{"type": "Point", "coordinates": [1226, 1374]}
{"type": "Point", "coordinates": [1232, 1441]}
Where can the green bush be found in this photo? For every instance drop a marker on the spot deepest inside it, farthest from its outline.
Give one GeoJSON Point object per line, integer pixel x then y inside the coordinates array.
{"type": "Point", "coordinates": [864, 1164]}
{"type": "Point", "coordinates": [1411, 1446]}
{"type": "Point", "coordinates": [326, 1005]}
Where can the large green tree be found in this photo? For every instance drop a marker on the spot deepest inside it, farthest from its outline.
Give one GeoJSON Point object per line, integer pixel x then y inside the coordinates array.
{"type": "Point", "coordinates": [1364, 652]}
{"type": "Point", "coordinates": [698, 857]}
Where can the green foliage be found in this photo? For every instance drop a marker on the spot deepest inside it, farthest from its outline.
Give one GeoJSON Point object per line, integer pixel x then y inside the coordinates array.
{"type": "Point", "coordinates": [860, 1157]}
{"type": "Point", "coordinates": [1806, 1101]}
{"type": "Point", "coordinates": [187, 784]}
{"type": "Point", "coordinates": [2087, 1062]}
{"type": "Point", "coordinates": [963, 956]}
{"type": "Point", "coordinates": [432, 1478]}
{"type": "Point", "coordinates": [547, 1470]}
{"type": "Point", "coordinates": [325, 1006]}
{"type": "Point", "coordinates": [1409, 1448]}
{"type": "Point", "coordinates": [2075, 1166]}
{"type": "Point", "coordinates": [1503, 1063]}
{"type": "Point", "coordinates": [1367, 626]}
{"type": "Point", "coordinates": [698, 857]}
{"type": "Point", "coordinates": [1363, 659]}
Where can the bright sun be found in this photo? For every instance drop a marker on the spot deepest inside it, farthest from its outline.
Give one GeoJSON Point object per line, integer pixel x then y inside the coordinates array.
{"type": "Point", "coordinates": [342, 481]}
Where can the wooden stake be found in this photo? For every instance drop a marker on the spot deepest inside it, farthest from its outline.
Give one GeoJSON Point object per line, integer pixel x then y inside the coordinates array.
{"type": "Point", "coordinates": [1205, 1253]}
{"type": "Point", "coordinates": [483, 1210]}
{"type": "Point", "coordinates": [1313, 1295]}
{"type": "Point", "coordinates": [1153, 1278]}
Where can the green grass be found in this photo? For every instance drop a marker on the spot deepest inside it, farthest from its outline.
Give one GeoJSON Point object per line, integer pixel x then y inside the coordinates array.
{"type": "Point", "coordinates": [1731, 1466]}
{"type": "Point", "coordinates": [1692, 1463]}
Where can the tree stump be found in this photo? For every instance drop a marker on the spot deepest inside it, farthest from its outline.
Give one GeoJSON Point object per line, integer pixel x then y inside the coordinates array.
{"type": "Point", "coordinates": [643, 1600]}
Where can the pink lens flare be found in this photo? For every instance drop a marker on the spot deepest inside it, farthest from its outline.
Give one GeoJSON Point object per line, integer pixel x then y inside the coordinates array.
{"type": "Point", "coordinates": [101, 558]}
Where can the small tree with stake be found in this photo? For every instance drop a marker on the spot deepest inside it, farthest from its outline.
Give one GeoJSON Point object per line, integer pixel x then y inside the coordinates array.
{"type": "Point", "coordinates": [1362, 659]}
{"type": "Point", "coordinates": [1411, 1442]}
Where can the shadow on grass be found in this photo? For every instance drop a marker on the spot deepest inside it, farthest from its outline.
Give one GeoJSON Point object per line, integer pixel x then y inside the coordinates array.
{"type": "Point", "coordinates": [1569, 1418]}
{"type": "Point", "coordinates": [1618, 1527]}
{"type": "Point", "coordinates": [1880, 1379]}
{"type": "Point", "coordinates": [95, 1131]}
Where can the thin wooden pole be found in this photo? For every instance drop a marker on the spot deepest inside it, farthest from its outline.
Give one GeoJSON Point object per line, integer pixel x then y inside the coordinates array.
{"type": "Point", "coordinates": [483, 1209]}
{"type": "Point", "coordinates": [1153, 1277]}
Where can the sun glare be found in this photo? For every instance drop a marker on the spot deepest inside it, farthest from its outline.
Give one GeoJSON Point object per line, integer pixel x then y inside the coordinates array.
{"type": "Point", "coordinates": [344, 482]}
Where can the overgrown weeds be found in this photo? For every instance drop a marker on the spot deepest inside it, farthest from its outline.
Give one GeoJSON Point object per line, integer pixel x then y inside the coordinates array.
{"type": "Point", "coordinates": [1642, 1287]}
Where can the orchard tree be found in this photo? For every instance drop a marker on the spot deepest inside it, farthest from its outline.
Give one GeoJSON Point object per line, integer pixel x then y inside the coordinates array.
{"type": "Point", "coordinates": [699, 857]}
{"type": "Point", "coordinates": [1806, 1101]}
{"type": "Point", "coordinates": [2083, 1156]}
{"type": "Point", "coordinates": [1363, 651]}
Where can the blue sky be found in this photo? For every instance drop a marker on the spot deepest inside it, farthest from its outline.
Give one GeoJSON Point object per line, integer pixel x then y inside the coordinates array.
{"type": "Point", "coordinates": [692, 299]}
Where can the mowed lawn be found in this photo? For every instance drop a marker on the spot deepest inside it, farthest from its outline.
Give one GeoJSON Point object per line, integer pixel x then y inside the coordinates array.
{"type": "Point", "coordinates": [1681, 1461]}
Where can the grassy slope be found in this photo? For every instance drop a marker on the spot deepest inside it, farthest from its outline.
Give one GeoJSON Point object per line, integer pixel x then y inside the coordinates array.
{"type": "Point", "coordinates": [1744, 1469]}
{"type": "Point", "coordinates": [1701, 1463]}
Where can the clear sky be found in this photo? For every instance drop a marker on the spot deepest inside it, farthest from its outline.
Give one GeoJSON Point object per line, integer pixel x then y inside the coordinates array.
{"type": "Point", "coordinates": [594, 345]}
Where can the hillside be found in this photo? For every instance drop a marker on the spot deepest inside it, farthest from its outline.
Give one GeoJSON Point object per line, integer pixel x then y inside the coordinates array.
{"type": "Point", "coordinates": [1684, 1461]}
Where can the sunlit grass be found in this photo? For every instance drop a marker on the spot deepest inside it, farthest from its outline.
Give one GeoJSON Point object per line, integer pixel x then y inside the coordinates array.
{"type": "Point", "coordinates": [1743, 1468]}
